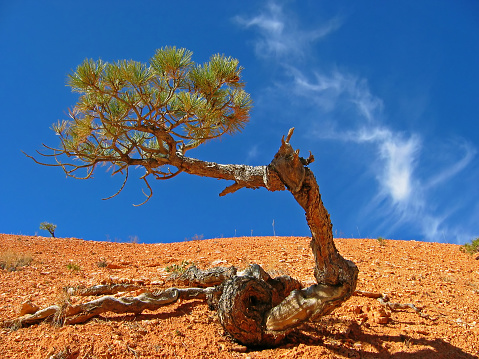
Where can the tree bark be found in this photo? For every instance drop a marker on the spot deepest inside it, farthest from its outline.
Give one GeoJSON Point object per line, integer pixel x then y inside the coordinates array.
{"type": "Point", "coordinates": [255, 309]}
{"type": "Point", "coordinates": [336, 276]}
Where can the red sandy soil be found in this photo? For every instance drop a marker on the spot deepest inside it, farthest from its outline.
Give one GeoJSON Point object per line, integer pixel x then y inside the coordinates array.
{"type": "Point", "coordinates": [436, 277]}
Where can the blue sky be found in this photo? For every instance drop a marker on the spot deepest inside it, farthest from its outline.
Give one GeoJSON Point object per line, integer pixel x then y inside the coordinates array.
{"type": "Point", "coordinates": [383, 93]}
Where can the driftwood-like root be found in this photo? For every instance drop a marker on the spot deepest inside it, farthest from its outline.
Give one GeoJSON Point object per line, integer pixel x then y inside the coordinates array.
{"type": "Point", "coordinates": [203, 278]}
{"type": "Point", "coordinates": [384, 300]}
{"type": "Point", "coordinates": [245, 301]}
{"type": "Point", "coordinates": [80, 313]}
{"type": "Point", "coordinates": [255, 309]}
{"type": "Point", "coordinates": [305, 304]}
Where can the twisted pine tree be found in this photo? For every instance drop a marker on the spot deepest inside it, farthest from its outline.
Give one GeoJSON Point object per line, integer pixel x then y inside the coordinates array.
{"type": "Point", "coordinates": [150, 115]}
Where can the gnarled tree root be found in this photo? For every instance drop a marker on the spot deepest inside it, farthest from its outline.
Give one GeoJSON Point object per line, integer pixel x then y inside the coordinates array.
{"type": "Point", "coordinates": [384, 300]}
{"type": "Point", "coordinates": [255, 309]}
{"type": "Point", "coordinates": [80, 313]}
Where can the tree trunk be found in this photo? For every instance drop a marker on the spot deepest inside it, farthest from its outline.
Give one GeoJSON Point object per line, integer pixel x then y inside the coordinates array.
{"type": "Point", "coordinates": [246, 309]}
{"type": "Point", "coordinates": [255, 309]}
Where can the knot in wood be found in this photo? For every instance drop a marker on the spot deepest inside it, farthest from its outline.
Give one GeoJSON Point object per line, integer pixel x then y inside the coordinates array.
{"type": "Point", "coordinates": [289, 167]}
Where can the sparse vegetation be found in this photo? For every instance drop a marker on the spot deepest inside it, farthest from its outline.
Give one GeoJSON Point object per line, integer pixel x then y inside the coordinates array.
{"type": "Point", "coordinates": [50, 227]}
{"type": "Point", "coordinates": [134, 239]}
{"type": "Point", "coordinates": [12, 261]}
{"type": "Point", "coordinates": [73, 267]}
{"type": "Point", "coordinates": [196, 237]}
{"type": "Point", "coordinates": [178, 268]}
{"type": "Point", "coordinates": [63, 301]}
{"type": "Point", "coordinates": [102, 263]}
{"type": "Point", "coordinates": [381, 241]}
{"type": "Point", "coordinates": [471, 248]}
{"type": "Point", "coordinates": [62, 354]}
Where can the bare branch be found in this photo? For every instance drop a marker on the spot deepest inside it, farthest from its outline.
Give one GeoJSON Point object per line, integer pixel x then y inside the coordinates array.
{"type": "Point", "coordinates": [290, 133]}
{"type": "Point", "coordinates": [121, 188]}
{"type": "Point", "coordinates": [147, 196]}
{"type": "Point", "coordinates": [231, 189]}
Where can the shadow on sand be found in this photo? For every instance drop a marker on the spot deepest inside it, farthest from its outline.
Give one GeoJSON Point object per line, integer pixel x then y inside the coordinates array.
{"type": "Point", "coordinates": [342, 342]}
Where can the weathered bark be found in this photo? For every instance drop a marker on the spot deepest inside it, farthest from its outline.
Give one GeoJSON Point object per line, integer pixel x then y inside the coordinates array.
{"type": "Point", "coordinates": [75, 314]}
{"type": "Point", "coordinates": [252, 292]}
{"type": "Point", "coordinates": [255, 309]}
{"type": "Point", "coordinates": [384, 300]}
{"type": "Point", "coordinates": [336, 276]}
{"type": "Point", "coordinates": [195, 277]}
{"type": "Point", "coordinates": [106, 289]}
{"type": "Point", "coordinates": [331, 268]}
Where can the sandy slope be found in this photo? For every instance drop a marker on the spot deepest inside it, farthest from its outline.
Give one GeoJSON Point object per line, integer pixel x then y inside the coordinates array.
{"type": "Point", "coordinates": [435, 276]}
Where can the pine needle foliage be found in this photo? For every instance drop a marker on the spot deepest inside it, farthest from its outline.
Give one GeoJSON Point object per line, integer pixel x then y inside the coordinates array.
{"type": "Point", "coordinates": [132, 113]}
{"type": "Point", "coordinates": [50, 227]}
{"type": "Point", "coordinates": [472, 247]}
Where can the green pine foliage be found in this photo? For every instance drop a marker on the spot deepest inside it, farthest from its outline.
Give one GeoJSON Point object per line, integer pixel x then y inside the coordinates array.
{"type": "Point", "coordinates": [50, 227]}
{"type": "Point", "coordinates": [148, 114]}
{"type": "Point", "coordinates": [472, 247]}
{"type": "Point", "coordinates": [123, 106]}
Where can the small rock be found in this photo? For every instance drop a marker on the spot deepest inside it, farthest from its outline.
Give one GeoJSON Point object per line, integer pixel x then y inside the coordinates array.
{"type": "Point", "coordinates": [422, 331]}
{"type": "Point", "coordinates": [239, 349]}
{"type": "Point", "coordinates": [358, 345]}
{"type": "Point", "coordinates": [218, 261]}
{"type": "Point", "coordinates": [28, 308]}
{"type": "Point", "coordinates": [356, 309]}
{"type": "Point", "coordinates": [382, 320]}
{"type": "Point", "coordinates": [114, 266]}
{"type": "Point", "coordinates": [366, 308]}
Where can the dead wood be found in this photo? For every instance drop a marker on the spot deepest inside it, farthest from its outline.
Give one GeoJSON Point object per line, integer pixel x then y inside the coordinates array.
{"type": "Point", "coordinates": [80, 313]}
{"type": "Point", "coordinates": [384, 300]}
{"type": "Point", "coordinates": [195, 277]}
{"type": "Point", "coordinates": [106, 289]}
{"type": "Point", "coordinates": [255, 309]}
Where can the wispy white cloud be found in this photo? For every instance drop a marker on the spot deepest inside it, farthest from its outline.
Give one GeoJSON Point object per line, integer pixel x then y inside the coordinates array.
{"type": "Point", "coordinates": [403, 196]}
{"type": "Point", "coordinates": [452, 170]}
{"type": "Point", "coordinates": [279, 35]}
{"type": "Point", "coordinates": [399, 157]}
{"type": "Point", "coordinates": [252, 153]}
{"type": "Point", "coordinates": [329, 89]}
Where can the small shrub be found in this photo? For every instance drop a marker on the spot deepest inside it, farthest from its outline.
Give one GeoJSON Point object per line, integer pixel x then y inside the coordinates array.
{"type": "Point", "coordinates": [472, 247]}
{"type": "Point", "coordinates": [197, 237]}
{"type": "Point", "coordinates": [12, 261]}
{"type": "Point", "coordinates": [194, 238]}
{"type": "Point", "coordinates": [50, 227]}
{"type": "Point", "coordinates": [178, 268]}
{"type": "Point", "coordinates": [73, 267]}
{"type": "Point", "coordinates": [179, 333]}
{"type": "Point", "coordinates": [134, 239]}
{"type": "Point", "coordinates": [102, 263]}
{"type": "Point", "coordinates": [381, 241]}
{"type": "Point", "coordinates": [63, 301]}
{"type": "Point", "coordinates": [62, 354]}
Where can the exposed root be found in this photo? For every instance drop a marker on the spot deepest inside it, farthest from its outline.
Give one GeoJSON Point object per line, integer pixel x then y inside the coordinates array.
{"type": "Point", "coordinates": [255, 309]}
{"type": "Point", "coordinates": [384, 300]}
{"type": "Point", "coordinates": [203, 278]}
{"type": "Point", "coordinates": [106, 289]}
{"type": "Point", "coordinates": [80, 313]}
